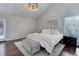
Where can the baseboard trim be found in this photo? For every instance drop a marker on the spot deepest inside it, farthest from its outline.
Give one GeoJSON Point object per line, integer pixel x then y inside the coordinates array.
{"type": "Point", "coordinates": [2, 41]}
{"type": "Point", "coordinates": [13, 40]}
{"type": "Point", "coordinates": [17, 39]}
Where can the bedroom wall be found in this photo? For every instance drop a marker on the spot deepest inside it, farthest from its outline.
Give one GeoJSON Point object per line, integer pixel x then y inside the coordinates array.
{"type": "Point", "coordinates": [54, 12]}
{"type": "Point", "coordinates": [58, 12]}
{"type": "Point", "coordinates": [18, 27]}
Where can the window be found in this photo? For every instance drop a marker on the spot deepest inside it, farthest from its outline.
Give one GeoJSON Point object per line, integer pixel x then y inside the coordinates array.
{"type": "Point", "coordinates": [2, 28]}
{"type": "Point", "coordinates": [71, 27]}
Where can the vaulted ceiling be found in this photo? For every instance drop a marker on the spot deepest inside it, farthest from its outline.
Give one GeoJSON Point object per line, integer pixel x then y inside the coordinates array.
{"type": "Point", "coordinates": [20, 9]}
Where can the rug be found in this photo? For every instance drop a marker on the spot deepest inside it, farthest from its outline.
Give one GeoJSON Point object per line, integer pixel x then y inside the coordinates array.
{"type": "Point", "coordinates": [55, 52]}
{"type": "Point", "coordinates": [25, 53]}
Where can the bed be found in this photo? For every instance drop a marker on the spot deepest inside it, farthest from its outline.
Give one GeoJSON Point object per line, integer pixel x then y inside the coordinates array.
{"type": "Point", "coordinates": [48, 39]}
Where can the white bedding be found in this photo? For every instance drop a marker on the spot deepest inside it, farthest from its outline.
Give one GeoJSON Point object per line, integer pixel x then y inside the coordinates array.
{"type": "Point", "coordinates": [46, 40]}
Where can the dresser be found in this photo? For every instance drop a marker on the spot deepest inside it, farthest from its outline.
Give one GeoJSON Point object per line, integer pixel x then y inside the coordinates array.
{"type": "Point", "coordinates": [71, 41]}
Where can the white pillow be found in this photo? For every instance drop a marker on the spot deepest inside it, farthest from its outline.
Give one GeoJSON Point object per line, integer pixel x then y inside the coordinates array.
{"type": "Point", "coordinates": [54, 32]}
{"type": "Point", "coordinates": [48, 31]}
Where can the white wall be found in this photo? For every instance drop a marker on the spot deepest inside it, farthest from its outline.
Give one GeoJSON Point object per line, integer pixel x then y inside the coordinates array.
{"type": "Point", "coordinates": [18, 27]}
{"type": "Point", "coordinates": [58, 11]}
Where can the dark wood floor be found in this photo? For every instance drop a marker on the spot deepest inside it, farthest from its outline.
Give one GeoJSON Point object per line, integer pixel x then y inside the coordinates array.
{"type": "Point", "coordinates": [69, 51]}
{"type": "Point", "coordinates": [10, 49]}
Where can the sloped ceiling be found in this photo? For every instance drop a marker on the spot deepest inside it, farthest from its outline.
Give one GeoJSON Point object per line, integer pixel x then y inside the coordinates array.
{"type": "Point", "coordinates": [21, 10]}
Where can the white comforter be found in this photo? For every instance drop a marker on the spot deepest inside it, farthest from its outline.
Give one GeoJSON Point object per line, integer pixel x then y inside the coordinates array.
{"type": "Point", "coordinates": [46, 40]}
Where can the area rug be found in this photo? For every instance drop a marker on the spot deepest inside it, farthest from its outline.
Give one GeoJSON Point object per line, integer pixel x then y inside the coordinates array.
{"type": "Point", "coordinates": [25, 53]}
{"type": "Point", "coordinates": [55, 52]}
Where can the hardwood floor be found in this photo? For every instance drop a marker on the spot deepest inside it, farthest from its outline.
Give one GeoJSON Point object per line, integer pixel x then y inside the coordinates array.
{"type": "Point", "coordinates": [68, 51]}
{"type": "Point", "coordinates": [9, 49]}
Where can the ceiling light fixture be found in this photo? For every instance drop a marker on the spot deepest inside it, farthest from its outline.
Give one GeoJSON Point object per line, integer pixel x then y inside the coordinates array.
{"type": "Point", "coordinates": [32, 6]}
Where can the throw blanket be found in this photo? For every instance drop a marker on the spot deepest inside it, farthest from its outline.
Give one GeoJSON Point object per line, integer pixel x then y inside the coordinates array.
{"type": "Point", "coordinates": [46, 40]}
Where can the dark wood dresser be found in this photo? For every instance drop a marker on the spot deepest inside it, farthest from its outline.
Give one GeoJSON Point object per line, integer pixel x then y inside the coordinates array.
{"type": "Point", "coordinates": [71, 41]}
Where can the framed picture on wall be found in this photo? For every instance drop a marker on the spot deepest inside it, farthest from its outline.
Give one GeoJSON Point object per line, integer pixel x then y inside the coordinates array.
{"type": "Point", "coordinates": [53, 24]}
